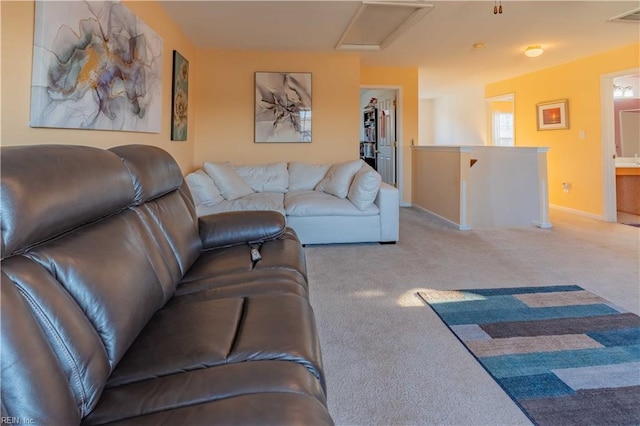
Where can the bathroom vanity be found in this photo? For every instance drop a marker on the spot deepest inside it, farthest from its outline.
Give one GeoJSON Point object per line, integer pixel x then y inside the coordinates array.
{"type": "Point", "coordinates": [628, 185]}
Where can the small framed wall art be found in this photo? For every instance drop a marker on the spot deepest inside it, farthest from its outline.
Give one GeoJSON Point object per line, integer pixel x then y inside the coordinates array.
{"type": "Point", "coordinates": [180, 98]}
{"type": "Point", "coordinates": [282, 107]}
{"type": "Point", "coordinates": [553, 115]}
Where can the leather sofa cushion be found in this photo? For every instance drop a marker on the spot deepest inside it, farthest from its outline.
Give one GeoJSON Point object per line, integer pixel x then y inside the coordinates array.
{"type": "Point", "coordinates": [108, 269]}
{"type": "Point", "coordinates": [174, 230]}
{"type": "Point", "coordinates": [278, 408]}
{"type": "Point", "coordinates": [34, 386]}
{"type": "Point", "coordinates": [165, 208]}
{"type": "Point", "coordinates": [79, 350]}
{"type": "Point", "coordinates": [191, 336]}
{"type": "Point", "coordinates": [34, 209]}
{"type": "Point", "coordinates": [282, 254]}
{"type": "Point", "coordinates": [204, 385]}
{"type": "Point", "coordinates": [153, 171]}
{"type": "Point", "coordinates": [180, 338]}
{"type": "Point", "coordinates": [242, 284]}
{"type": "Point", "coordinates": [227, 229]}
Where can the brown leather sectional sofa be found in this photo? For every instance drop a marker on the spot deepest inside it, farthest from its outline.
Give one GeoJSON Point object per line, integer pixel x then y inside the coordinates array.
{"type": "Point", "coordinates": [120, 306]}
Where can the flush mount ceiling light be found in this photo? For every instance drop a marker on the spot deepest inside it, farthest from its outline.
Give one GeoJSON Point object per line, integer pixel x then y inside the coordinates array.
{"type": "Point", "coordinates": [377, 23]}
{"type": "Point", "coordinates": [533, 51]}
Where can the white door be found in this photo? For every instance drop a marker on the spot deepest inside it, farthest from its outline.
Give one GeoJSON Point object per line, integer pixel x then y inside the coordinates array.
{"type": "Point", "coordinates": [386, 154]}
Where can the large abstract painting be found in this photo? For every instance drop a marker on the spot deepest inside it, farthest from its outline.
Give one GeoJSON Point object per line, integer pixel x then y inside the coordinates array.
{"type": "Point", "coordinates": [96, 65]}
{"type": "Point", "coordinates": [180, 96]}
{"type": "Point", "coordinates": [283, 107]}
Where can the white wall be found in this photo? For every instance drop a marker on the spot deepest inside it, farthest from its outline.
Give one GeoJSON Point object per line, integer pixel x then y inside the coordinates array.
{"type": "Point", "coordinates": [458, 118]}
{"type": "Point", "coordinates": [426, 125]}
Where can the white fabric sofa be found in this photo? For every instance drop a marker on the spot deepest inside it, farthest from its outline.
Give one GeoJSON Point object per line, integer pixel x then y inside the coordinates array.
{"type": "Point", "coordinates": [324, 204]}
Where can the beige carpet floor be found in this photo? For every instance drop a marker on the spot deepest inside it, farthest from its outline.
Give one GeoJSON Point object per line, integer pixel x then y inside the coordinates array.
{"type": "Point", "coordinates": [389, 360]}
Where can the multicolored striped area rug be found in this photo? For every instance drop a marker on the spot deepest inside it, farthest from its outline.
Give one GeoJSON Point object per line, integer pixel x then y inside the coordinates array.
{"type": "Point", "coordinates": [563, 354]}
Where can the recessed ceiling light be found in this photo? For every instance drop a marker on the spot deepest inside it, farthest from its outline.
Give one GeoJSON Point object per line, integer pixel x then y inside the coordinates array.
{"type": "Point", "coordinates": [533, 51]}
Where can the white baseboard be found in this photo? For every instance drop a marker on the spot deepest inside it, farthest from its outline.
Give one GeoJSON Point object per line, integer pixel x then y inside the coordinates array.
{"type": "Point", "coordinates": [449, 221]}
{"type": "Point", "coordinates": [577, 212]}
{"type": "Point", "coordinates": [542, 225]}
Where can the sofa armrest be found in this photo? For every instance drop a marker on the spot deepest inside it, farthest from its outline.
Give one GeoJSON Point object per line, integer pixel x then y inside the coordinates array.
{"type": "Point", "coordinates": [388, 201]}
{"type": "Point", "coordinates": [240, 227]}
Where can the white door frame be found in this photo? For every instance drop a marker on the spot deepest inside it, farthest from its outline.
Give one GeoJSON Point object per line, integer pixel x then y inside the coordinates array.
{"type": "Point", "coordinates": [487, 101]}
{"type": "Point", "coordinates": [399, 136]}
{"type": "Point", "coordinates": [609, 207]}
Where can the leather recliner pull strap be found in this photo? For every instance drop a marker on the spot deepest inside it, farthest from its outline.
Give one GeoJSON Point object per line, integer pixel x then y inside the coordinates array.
{"type": "Point", "coordinates": [255, 253]}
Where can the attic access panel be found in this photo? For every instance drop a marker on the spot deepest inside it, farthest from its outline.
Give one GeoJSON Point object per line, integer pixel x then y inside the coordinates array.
{"type": "Point", "coordinates": [377, 23]}
{"type": "Point", "coordinates": [633, 16]}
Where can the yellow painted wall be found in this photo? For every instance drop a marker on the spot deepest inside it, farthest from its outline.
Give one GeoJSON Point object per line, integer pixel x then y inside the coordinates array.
{"type": "Point", "coordinates": [501, 106]}
{"type": "Point", "coordinates": [578, 162]}
{"type": "Point", "coordinates": [407, 79]}
{"type": "Point", "coordinates": [17, 55]}
{"type": "Point", "coordinates": [225, 107]}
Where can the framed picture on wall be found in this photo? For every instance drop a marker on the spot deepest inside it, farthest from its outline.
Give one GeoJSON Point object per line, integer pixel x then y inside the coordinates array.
{"type": "Point", "coordinates": [282, 107]}
{"type": "Point", "coordinates": [180, 98]}
{"type": "Point", "coordinates": [553, 115]}
{"type": "Point", "coordinates": [96, 66]}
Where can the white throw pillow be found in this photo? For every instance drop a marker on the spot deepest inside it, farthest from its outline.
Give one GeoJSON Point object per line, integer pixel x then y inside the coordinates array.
{"type": "Point", "coordinates": [306, 176]}
{"type": "Point", "coordinates": [266, 178]}
{"type": "Point", "coordinates": [364, 188]}
{"type": "Point", "coordinates": [203, 189]}
{"type": "Point", "coordinates": [338, 179]}
{"type": "Point", "coordinates": [227, 180]}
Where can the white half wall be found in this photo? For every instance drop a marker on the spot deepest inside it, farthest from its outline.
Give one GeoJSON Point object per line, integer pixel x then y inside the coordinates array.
{"type": "Point", "coordinates": [482, 186]}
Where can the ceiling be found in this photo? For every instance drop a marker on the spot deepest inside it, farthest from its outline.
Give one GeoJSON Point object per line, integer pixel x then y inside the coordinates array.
{"type": "Point", "coordinates": [440, 44]}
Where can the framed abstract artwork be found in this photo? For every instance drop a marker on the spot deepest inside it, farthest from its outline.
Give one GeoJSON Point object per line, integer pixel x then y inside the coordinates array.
{"type": "Point", "coordinates": [282, 107]}
{"type": "Point", "coordinates": [96, 65]}
{"type": "Point", "coordinates": [180, 97]}
{"type": "Point", "coordinates": [553, 115]}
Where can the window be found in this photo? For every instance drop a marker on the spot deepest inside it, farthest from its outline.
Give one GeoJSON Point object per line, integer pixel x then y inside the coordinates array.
{"type": "Point", "coordinates": [503, 129]}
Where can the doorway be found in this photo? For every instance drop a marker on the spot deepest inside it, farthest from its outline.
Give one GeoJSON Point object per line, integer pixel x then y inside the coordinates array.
{"type": "Point", "coordinates": [500, 120]}
{"type": "Point", "coordinates": [611, 134]}
{"type": "Point", "coordinates": [380, 132]}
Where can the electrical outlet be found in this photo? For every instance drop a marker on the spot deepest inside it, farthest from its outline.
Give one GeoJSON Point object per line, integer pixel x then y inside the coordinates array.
{"type": "Point", "coordinates": [582, 135]}
{"type": "Point", "coordinates": [566, 187]}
